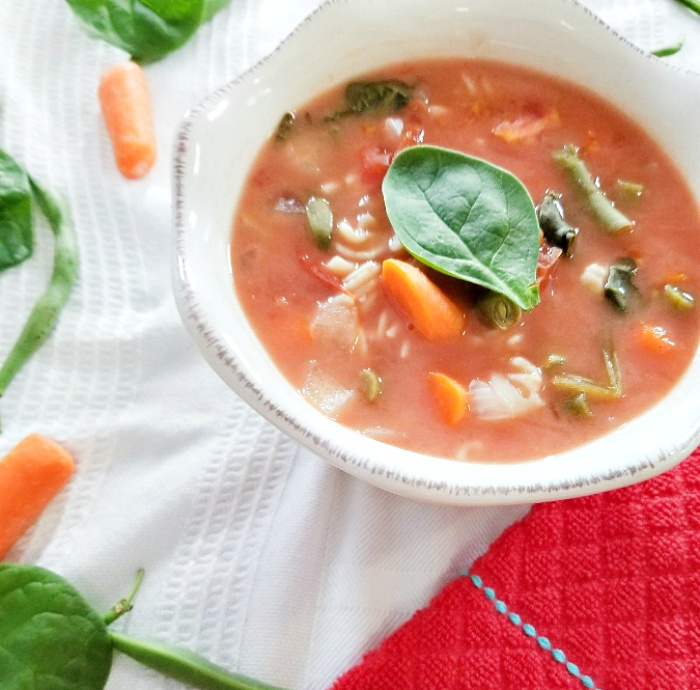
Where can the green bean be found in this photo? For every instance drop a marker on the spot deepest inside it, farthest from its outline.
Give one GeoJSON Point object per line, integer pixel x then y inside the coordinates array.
{"type": "Point", "coordinates": [498, 311]}
{"type": "Point", "coordinates": [370, 384]}
{"type": "Point", "coordinates": [45, 313]}
{"type": "Point", "coordinates": [556, 230]}
{"type": "Point", "coordinates": [601, 207]}
{"type": "Point", "coordinates": [679, 298]}
{"type": "Point", "coordinates": [183, 665]}
{"type": "Point", "coordinates": [576, 385]}
{"type": "Point", "coordinates": [319, 218]}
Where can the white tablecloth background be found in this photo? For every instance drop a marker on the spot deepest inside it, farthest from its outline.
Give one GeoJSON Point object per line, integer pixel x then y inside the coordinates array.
{"type": "Point", "coordinates": [257, 554]}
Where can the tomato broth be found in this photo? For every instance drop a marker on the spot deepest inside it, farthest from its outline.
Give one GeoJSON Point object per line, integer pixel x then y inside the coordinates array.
{"type": "Point", "coordinates": [321, 310]}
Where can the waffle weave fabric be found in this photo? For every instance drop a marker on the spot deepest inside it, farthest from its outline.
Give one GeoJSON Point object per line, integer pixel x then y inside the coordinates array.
{"type": "Point", "coordinates": [595, 592]}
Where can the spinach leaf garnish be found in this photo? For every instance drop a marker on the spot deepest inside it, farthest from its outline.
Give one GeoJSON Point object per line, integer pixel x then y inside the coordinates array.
{"type": "Point", "coordinates": [146, 29]}
{"type": "Point", "coordinates": [466, 218]}
{"type": "Point", "coordinates": [382, 97]}
{"type": "Point", "coordinates": [50, 637]}
{"type": "Point", "coordinates": [16, 224]}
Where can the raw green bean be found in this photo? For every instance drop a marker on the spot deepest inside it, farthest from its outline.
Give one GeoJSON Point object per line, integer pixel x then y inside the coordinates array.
{"type": "Point", "coordinates": [184, 665]}
{"type": "Point", "coordinates": [45, 313]}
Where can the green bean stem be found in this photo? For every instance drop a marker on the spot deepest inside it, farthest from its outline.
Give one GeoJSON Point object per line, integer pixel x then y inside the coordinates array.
{"type": "Point", "coordinates": [601, 207]}
{"type": "Point", "coordinates": [45, 313]}
{"type": "Point", "coordinates": [184, 665]}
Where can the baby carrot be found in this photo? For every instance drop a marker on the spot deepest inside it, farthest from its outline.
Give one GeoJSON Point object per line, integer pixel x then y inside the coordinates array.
{"type": "Point", "coordinates": [31, 474]}
{"type": "Point", "coordinates": [126, 108]}
{"type": "Point", "coordinates": [434, 315]}
{"type": "Point", "coordinates": [450, 396]}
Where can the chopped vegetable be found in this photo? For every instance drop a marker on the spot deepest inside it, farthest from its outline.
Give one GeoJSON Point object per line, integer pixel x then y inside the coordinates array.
{"type": "Point", "coordinates": [126, 108]}
{"type": "Point", "coordinates": [601, 207]}
{"type": "Point", "coordinates": [630, 189]}
{"type": "Point", "coordinates": [382, 97]}
{"type": "Point", "coordinates": [31, 475]}
{"type": "Point", "coordinates": [374, 162]}
{"type": "Point", "coordinates": [370, 384]}
{"type": "Point", "coordinates": [526, 127]}
{"type": "Point", "coordinates": [433, 314]}
{"type": "Point", "coordinates": [466, 218]}
{"type": "Point", "coordinates": [44, 315]}
{"type": "Point", "coordinates": [578, 406]}
{"type": "Point", "coordinates": [497, 311]}
{"type": "Point", "coordinates": [678, 298]}
{"type": "Point", "coordinates": [575, 384]}
{"type": "Point", "coordinates": [450, 397]}
{"type": "Point", "coordinates": [655, 339]}
{"type": "Point", "coordinates": [547, 260]}
{"type": "Point", "coordinates": [285, 126]}
{"type": "Point", "coordinates": [619, 288]}
{"type": "Point", "coordinates": [557, 231]}
{"type": "Point", "coordinates": [319, 219]}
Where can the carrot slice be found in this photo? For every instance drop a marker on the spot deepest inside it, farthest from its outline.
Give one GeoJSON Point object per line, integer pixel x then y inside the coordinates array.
{"type": "Point", "coordinates": [450, 396]}
{"type": "Point", "coordinates": [655, 339]}
{"type": "Point", "coordinates": [434, 315]}
{"type": "Point", "coordinates": [126, 108]}
{"type": "Point", "coordinates": [31, 474]}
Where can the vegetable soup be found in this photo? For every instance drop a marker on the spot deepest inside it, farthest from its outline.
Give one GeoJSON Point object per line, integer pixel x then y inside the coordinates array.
{"type": "Point", "coordinates": [470, 259]}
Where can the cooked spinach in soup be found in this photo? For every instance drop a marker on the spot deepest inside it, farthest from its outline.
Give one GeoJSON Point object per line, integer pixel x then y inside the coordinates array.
{"type": "Point", "coordinates": [470, 259]}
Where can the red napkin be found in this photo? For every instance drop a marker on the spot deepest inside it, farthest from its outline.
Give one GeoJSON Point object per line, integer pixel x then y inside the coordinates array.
{"type": "Point", "coordinates": [596, 592]}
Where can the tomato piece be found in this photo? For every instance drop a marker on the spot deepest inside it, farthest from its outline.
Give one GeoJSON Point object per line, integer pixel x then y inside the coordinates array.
{"type": "Point", "coordinates": [375, 161]}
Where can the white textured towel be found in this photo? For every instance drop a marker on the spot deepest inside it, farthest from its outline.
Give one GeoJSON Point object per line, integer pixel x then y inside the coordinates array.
{"type": "Point", "coordinates": [257, 554]}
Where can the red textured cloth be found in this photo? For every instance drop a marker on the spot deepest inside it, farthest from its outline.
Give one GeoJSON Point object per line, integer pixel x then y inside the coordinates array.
{"type": "Point", "coordinates": [595, 592]}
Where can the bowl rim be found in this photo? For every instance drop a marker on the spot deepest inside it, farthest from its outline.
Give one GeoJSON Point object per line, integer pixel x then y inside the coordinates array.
{"type": "Point", "coordinates": [337, 444]}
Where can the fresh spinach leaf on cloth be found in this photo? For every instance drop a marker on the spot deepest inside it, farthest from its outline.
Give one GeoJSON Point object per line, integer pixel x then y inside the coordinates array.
{"type": "Point", "coordinates": [146, 29]}
{"type": "Point", "coordinates": [16, 224]}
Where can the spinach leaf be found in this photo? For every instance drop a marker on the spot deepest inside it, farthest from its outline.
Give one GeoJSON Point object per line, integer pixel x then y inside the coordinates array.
{"type": "Point", "coordinates": [383, 97]}
{"type": "Point", "coordinates": [146, 29]}
{"type": "Point", "coordinates": [49, 636]}
{"type": "Point", "coordinates": [16, 224]}
{"type": "Point", "coordinates": [51, 639]}
{"type": "Point", "coordinates": [467, 218]}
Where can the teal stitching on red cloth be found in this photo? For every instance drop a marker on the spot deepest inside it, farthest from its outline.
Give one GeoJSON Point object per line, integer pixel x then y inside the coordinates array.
{"type": "Point", "coordinates": [529, 630]}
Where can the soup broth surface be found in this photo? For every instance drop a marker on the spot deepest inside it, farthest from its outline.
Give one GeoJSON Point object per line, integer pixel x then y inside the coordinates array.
{"type": "Point", "coordinates": [329, 324]}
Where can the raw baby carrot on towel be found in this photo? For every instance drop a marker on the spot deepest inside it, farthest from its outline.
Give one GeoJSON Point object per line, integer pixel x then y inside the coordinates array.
{"type": "Point", "coordinates": [126, 108]}
{"type": "Point", "coordinates": [31, 474]}
{"type": "Point", "coordinates": [432, 312]}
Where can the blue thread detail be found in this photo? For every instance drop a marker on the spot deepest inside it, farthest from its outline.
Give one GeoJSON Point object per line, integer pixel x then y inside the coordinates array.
{"type": "Point", "coordinates": [529, 630]}
{"type": "Point", "coordinates": [515, 619]}
{"type": "Point", "coordinates": [573, 669]}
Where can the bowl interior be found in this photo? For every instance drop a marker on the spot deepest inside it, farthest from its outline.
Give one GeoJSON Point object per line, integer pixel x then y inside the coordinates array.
{"type": "Point", "coordinates": [220, 138]}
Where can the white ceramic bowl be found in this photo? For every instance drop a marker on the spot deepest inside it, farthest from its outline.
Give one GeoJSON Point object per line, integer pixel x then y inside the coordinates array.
{"type": "Point", "coordinates": [219, 139]}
